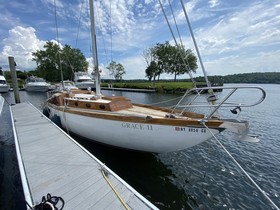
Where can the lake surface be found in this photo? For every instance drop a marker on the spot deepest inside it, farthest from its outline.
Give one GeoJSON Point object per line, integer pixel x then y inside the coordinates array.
{"type": "Point", "coordinates": [201, 177]}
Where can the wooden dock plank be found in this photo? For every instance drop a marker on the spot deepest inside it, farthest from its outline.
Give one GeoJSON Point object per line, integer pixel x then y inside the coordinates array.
{"type": "Point", "coordinates": [54, 163]}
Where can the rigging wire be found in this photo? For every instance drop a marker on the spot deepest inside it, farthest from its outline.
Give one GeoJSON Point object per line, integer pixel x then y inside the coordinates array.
{"type": "Point", "coordinates": [181, 42]}
{"type": "Point", "coordinates": [176, 25]}
{"type": "Point", "coordinates": [102, 35]}
{"type": "Point", "coordinates": [111, 31]}
{"type": "Point", "coordinates": [174, 38]}
{"type": "Point", "coordinates": [242, 169]}
{"type": "Point", "coordinates": [79, 24]}
{"type": "Point", "coordinates": [194, 41]}
{"type": "Point", "coordinates": [182, 56]}
{"type": "Point", "coordinates": [57, 39]}
{"type": "Point", "coordinates": [108, 56]}
{"type": "Point", "coordinates": [111, 38]}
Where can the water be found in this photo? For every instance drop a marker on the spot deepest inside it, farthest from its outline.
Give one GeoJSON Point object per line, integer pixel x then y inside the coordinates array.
{"type": "Point", "coordinates": [202, 177]}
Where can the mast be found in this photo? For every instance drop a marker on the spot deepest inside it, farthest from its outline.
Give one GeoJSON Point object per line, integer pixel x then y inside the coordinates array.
{"type": "Point", "coordinates": [94, 49]}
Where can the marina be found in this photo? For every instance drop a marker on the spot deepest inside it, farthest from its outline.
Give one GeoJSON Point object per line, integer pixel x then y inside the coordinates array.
{"type": "Point", "coordinates": [52, 162]}
{"type": "Point", "coordinates": [199, 177]}
{"type": "Point", "coordinates": [203, 151]}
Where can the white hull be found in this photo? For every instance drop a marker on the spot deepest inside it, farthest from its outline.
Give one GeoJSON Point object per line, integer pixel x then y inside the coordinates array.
{"type": "Point", "coordinates": [135, 136]}
{"type": "Point", "coordinates": [4, 88]}
{"type": "Point", "coordinates": [36, 87]}
{"type": "Point", "coordinates": [83, 81]}
{"type": "Point", "coordinates": [84, 85]}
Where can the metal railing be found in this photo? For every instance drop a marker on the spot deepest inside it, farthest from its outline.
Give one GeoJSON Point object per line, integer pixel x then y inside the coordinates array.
{"type": "Point", "coordinates": [214, 103]}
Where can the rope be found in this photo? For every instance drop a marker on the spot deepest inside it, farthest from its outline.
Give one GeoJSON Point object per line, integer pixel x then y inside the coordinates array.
{"type": "Point", "coordinates": [119, 197]}
{"type": "Point", "coordinates": [243, 170]}
{"type": "Point", "coordinates": [162, 102]}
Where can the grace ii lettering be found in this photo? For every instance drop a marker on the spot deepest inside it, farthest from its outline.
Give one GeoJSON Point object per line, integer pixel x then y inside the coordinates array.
{"type": "Point", "coordinates": [137, 126]}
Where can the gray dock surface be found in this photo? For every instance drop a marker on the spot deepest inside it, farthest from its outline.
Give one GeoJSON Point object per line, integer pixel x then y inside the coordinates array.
{"type": "Point", "coordinates": [52, 162]}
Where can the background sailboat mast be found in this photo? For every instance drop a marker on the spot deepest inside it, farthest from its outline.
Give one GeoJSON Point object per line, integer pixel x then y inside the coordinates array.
{"type": "Point", "coordinates": [94, 49]}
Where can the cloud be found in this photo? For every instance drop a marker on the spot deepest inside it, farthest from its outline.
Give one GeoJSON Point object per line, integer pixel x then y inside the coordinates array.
{"type": "Point", "coordinates": [261, 62]}
{"type": "Point", "coordinates": [224, 30]}
{"type": "Point", "coordinates": [253, 26]}
{"type": "Point", "coordinates": [135, 67]}
{"type": "Point", "coordinates": [213, 3]}
{"type": "Point", "coordinates": [20, 44]}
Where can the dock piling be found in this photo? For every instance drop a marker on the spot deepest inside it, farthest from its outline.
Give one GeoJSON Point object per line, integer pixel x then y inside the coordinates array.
{"type": "Point", "coordinates": [14, 78]}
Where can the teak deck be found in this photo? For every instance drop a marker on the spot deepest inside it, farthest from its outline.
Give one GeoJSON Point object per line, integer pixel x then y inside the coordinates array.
{"type": "Point", "coordinates": [52, 162]}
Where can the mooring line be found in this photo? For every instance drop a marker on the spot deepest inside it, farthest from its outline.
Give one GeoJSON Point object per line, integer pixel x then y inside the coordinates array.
{"type": "Point", "coordinates": [114, 189]}
{"type": "Point", "coordinates": [248, 176]}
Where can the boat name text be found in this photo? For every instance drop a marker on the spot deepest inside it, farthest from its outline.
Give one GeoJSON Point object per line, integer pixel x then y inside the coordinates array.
{"type": "Point", "coordinates": [137, 126]}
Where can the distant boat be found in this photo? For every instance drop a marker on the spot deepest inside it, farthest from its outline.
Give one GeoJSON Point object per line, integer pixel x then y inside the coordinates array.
{"type": "Point", "coordinates": [83, 81]}
{"type": "Point", "coordinates": [4, 87]}
{"type": "Point", "coordinates": [116, 121]}
{"type": "Point", "coordinates": [36, 84]}
{"type": "Point", "coordinates": [66, 85]}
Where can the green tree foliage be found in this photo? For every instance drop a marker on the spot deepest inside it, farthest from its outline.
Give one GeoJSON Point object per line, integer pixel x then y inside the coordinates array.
{"type": "Point", "coordinates": [116, 70]}
{"type": "Point", "coordinates": [52, 60]}
{"type": "Point", "coordinates": [21, 75]}
{"type": "Point", "coordinates": [150, 71]}
{"type": "Point", "coordinates": [258, 78]}
{"type": "Point", "coordinates": [169, 59]}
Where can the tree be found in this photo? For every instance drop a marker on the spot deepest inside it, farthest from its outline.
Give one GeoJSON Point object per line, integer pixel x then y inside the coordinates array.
{"type": "Point", "coordinates": [151, 71]}
{"type": "Point", "coordinates": [8, 75]}
{"type": "Point", "coordinates": [53, 60]}
{"type": "Point", "coordinates": [170, 59]}
{"type": "Point", "coordinates": [116, 70]}
{"type": "Point", "coordinates": [183, 61]}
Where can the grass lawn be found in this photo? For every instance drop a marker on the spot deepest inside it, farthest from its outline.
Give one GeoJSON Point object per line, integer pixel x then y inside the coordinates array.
{"type": "Point", "coordinates": [158, 86]}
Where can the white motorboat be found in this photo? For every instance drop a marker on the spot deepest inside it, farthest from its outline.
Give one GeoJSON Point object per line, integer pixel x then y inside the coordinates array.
{"type": "Point", "coordinates": [116, 121]}
{"type": "Point", "coordinates": [36, 84]}
{"type": "Point", "coordinates": [83, 81]}
{"type": "Point", "coordinates": [4, 87]}
{"type": "Point", "coordinates": [65, 85]}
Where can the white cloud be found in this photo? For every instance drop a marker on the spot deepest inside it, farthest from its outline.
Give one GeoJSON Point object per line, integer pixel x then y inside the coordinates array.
{"type": "Point", "coordinates": [260, 62]}
{"type": "Point", "coordinates": [20, 44]}
{"type": "Point", "coordinates": [254, 26]}
{"type": "Point", "coordinates": [135, 67]}
{"type": "Point", "coordinates": [236, 30]}
{"type": "Point", "coordinates": [213, 3]}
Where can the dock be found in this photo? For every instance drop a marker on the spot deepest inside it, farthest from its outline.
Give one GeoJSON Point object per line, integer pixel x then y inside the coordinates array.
{"type": "Point", "coordinates": [50, 161]}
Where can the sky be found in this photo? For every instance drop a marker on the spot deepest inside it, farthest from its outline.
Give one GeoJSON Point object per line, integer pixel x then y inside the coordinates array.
{"type": "Point", "coordinates": [232, 36]}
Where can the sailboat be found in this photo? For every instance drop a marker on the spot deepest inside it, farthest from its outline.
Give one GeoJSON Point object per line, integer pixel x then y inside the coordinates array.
{"type": "Point", "coordinates": [118, 122]}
